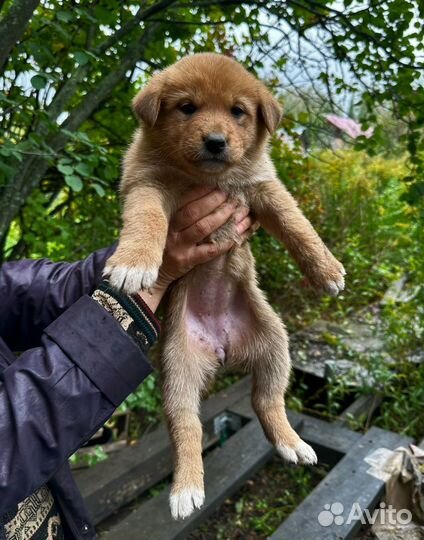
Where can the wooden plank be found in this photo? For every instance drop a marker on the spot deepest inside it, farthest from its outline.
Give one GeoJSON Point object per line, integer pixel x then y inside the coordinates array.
{"type": "Point", "coordinates": [226, 469]}
{"type": "Point", "coordinates": [363, 405]}
{"type": "Point", "coordinates": [347, 483]}
{"type": "Point", "coordinates": [330, 441]}
{"type": "Point", "coordinates": [134, 469]}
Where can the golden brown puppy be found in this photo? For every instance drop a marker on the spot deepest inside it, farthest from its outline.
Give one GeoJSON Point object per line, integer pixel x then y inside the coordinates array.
{"type": "Point", "coordinates": [207, 120]}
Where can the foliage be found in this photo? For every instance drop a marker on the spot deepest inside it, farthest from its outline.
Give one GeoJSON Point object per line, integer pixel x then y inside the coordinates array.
{"type": "Point", "coordinates": [354, 201]}
{"type": "Point", "coordinates": [68, 72]}
{"type": "Point", "coordinates": [146, 397]}
{"type": "Point", "coordinates": [403, 401]}
{"type": "Point", "coordinates": [400, 384]}
{"type": "Point", "coordinates": [94, 456]}
{"type": "Point", "coordinates": [67, 229]}
{"type": "Point", "coordinates": [69, 69]}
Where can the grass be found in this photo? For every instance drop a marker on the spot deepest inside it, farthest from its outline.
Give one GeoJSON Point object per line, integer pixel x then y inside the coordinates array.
{"type": "Point", "coordinates": [260, 506]}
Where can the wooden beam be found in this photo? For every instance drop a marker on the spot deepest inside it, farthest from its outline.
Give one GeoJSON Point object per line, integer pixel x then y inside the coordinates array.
{"type": "Point", "coordinates": [330, 441]}
{"type": "Point", "coordinates": [347, 483]}
{"type": "Point", "coordinates": [134, 469]}
{"type": "Point", "coordinates": [226, 469]}
{"type": "Point", "coordinates": [365, 404]}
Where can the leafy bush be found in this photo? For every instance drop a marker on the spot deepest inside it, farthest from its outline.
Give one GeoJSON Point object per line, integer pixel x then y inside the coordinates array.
{"type": "Point", "coordinates": [354, 201]}
{"type": "Point", "coordinates": [146, 397]}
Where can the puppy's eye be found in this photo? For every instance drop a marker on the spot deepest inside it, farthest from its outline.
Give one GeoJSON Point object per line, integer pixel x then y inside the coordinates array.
{"type": "Point", "coordinates": [237, 111]}
{"type": "Point", "coordinates": [188, 108]}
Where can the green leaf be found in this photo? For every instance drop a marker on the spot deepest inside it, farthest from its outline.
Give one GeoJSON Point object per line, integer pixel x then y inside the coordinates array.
{"type": "Point", "coordinates": [67, 170]}
{"type": "Point", "coordinates": [6, 151]}
{"type": "Point", "coordinates": [99, 190]}
{"type": "Point", "coordinates": [303, 117]}
{"type": "Point", "coordinates": [83, 169]}
{"type": "Point", "coordinates": [74, 182]}
{"type": "Point", "coordinates": [109, 173]}
{"type": "Point", "coordinates": [64, 16]}
{"type": "Point", "coordinates": [39, 81]}
{"type": "Point", "coordinates": [81, 57]}
{"type": "Point", "coordinates": [6, 169]}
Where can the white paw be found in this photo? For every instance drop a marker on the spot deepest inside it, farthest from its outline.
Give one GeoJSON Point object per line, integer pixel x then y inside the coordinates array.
{"type": "Point", "coordinates": [288, 454]}
{"type": "Point", "coordinates": [306, 454]}
{"type": "Point", "coordinates": [131, 280]}
{"type": "Point", "coordinates": [302, 453]}
{"type": "Point", "coordinates": [185, 502]}
{"type": "Point", "coordinates": [334, 287]}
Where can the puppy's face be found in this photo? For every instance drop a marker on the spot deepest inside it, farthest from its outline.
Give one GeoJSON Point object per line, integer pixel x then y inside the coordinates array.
{"type": "Point", "coordinates": [207, 113]}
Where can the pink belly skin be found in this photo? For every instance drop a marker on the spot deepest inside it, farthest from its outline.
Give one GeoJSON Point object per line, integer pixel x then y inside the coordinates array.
{"type": "Point", "coordinates": [217, 315]}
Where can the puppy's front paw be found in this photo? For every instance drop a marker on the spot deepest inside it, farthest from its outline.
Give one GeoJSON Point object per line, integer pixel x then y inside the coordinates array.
{"type": "Point", "coordinates": [335, 283]}
{"type": "Point", "coordinates": [129, 270]}
{"type": "Point", "coordinates": [184, 502]}
{"type": "Point", "coordinates": [302, 454]}
{"type": "Point", "coordinates": [131, 279]}
{"type": "Point", "coordinates": [327, 275]}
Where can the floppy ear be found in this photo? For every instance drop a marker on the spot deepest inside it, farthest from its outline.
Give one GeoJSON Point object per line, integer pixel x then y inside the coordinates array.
{"type": "Point", "coordinates": [270, 110]}
{"type": "Point", "coordinates": [146, 103]}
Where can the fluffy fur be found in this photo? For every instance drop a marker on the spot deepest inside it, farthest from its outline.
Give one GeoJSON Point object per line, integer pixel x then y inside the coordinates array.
{"type": "Point", "coordinates": [216, 313]}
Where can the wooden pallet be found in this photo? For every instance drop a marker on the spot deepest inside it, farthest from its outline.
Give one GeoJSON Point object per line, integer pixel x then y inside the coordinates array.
{"type": "Point", "coordinates": [135, 469]}
{"type": "Point", "coordinates": [347, 483]}
{"type": "Point", "coordinates": [116, 482]}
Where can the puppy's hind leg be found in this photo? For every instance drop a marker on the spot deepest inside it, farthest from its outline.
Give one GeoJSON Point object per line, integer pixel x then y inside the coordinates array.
{"type": "Point", "coordinates": [271, 371]}
{"type": "Point", "coordinates": [183, 382]}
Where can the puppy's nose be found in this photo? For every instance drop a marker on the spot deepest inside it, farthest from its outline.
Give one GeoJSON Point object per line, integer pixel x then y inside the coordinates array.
{"type": "Point", "coordinates": [215, 143]}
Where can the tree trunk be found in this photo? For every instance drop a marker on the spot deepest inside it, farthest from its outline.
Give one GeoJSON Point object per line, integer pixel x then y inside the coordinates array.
{"type": "Point", "coordinates": [12, 27]}
{"type": "Point", "coordinates": [32, 170]}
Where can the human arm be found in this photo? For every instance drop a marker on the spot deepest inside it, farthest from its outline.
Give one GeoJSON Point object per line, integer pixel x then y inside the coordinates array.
{"type": "Point", "coordinates": [55, 396]}
{"type": "Point", "coordinates": [34, 293]}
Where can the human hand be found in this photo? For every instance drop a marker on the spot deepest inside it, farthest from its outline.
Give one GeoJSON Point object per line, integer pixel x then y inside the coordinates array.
{"type": "Point", "coordinates": [202, 212]}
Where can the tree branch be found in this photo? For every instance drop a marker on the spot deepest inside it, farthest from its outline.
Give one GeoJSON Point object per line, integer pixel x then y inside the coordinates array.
{"type": "Point", "coordinates": [12, 27]}
{"type": "Point", "coordinates": [80, 113]}
{"type": "Point", "coordinates": [32, 170]}
{"type": "Point", "coordinates": [141, 15]}
{"type": "Point", "coordinates": [69, 88]}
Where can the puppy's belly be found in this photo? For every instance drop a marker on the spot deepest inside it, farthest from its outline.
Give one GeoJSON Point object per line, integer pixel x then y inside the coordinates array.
{"type": "Point", "coordinates": [217, 315]}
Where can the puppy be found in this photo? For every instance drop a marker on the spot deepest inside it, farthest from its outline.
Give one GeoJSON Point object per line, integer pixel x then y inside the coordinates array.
{"type": "Point", "coordinates": [206, 120]}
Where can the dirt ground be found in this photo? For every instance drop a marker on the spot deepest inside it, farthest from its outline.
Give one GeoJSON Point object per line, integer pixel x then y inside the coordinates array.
{"type": "Point", "coordinates": [261, 504]}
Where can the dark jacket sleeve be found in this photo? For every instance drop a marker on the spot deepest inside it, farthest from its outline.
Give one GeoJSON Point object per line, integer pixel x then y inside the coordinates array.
{"type": "Point", "coordinates": [33, 293]}
{"type": "Point", "coordinates": [54, 397]}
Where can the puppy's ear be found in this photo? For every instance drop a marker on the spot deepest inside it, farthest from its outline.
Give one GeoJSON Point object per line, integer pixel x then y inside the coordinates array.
{"type": "Point", "coordinates": [146, 103]}
{"type": "Point", "coordinates": [270, 110]}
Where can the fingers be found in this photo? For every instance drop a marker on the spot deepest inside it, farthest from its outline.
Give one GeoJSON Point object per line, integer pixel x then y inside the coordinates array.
{"type": "Point", "coordinates": [198, 208]}
{"type": "Point", "coordinates": [204, 227]}
{"type": "Point", "coordinates": [194, 193]}
{"type": "Point", "coordinates": [255, 226]}
{"type": "Point", "coordinates": [245, 222]}
{"type": "Point", "coordinates": [206, 252]}
{"type": "Point", "coordinates": [244, 225]}
{"type": "Point", "coordinates": [242, 219]}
